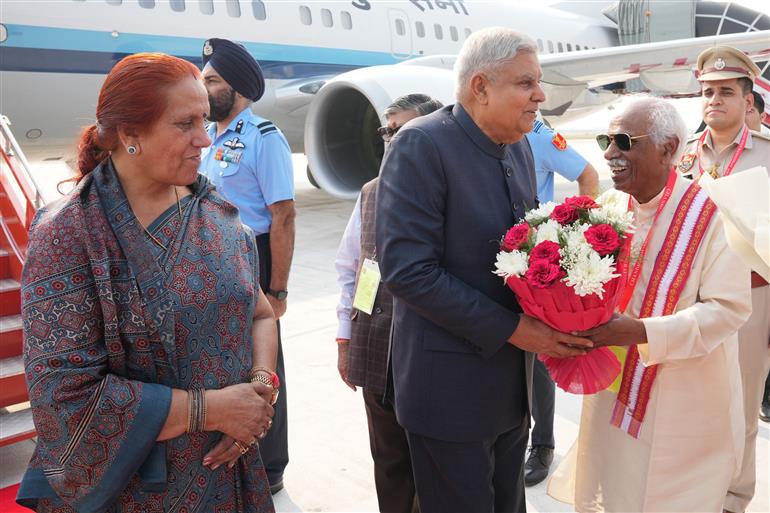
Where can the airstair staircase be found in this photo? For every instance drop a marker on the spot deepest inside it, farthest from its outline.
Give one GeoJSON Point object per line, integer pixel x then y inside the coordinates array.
{"type": "Point", "coordinates": [19, 200]}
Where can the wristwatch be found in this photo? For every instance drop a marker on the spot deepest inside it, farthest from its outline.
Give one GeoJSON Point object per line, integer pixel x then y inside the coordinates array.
{"type": "Point", "coordinates": [280, 295]}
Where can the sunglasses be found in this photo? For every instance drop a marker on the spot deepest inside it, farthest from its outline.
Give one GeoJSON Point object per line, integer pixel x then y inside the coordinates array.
{"type": "Point", "coordinates": [622, 141]}
{"type": "Point", "coordinates": [387, 133]}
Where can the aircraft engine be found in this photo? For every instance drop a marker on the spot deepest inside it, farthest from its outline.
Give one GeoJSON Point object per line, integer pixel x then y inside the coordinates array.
{"type": "Point", "coordinates": [341, 141]}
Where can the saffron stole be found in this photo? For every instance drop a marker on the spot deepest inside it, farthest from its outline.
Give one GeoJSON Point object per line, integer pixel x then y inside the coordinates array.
{"type": "Point", "coordinates": [672, 267]}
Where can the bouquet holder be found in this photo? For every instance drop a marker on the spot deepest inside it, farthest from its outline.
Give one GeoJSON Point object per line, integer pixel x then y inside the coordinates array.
{"type": "Point", "coordinates": [560, 308]}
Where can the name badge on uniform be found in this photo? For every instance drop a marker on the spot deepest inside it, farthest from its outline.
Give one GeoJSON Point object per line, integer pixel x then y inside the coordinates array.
{"type": "Point", "coordinates": [366, 289]}
{"type": "Point", "coordinates": [224, 155]}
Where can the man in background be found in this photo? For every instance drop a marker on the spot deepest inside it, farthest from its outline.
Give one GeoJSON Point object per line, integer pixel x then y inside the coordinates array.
{"type": "Point", "coordinates": [552, 155]}
{"type": "Point", "coordinates": [249, 162]}
{"type": "Point", "coordinates": [363, 335]}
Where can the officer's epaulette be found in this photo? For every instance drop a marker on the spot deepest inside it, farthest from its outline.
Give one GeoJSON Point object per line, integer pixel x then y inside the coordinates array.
{"type": "Point", "coordinates": [695, 137]}
{"type": "Point", "coordinates": [760, 135]}
{"type": "Point", "coordinates": [266, 127]}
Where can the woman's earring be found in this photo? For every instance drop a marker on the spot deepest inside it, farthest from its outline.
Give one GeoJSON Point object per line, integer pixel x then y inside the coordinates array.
{"type": "Point", "coordinates": [131, 150]}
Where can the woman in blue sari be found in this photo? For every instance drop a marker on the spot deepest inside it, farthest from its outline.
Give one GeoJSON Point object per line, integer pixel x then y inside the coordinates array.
{"type": "Point", "coordinates": [148, 344]}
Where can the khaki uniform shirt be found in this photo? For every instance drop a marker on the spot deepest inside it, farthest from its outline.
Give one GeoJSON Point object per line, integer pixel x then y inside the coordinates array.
{"type": "Point", "coordinates": [756, 153]}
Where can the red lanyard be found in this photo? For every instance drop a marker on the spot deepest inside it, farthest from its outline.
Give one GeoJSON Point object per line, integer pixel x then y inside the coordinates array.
{"type": "Point", "coordinates": [634, 276]}
{"type": "Point", "coordinates": [733, 161]}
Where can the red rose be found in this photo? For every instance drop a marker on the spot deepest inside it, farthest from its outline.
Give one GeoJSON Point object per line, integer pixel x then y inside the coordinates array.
{"type": "Point", "coordinates": [581, 202]}
{"type": "Point", "coordinates": [565, 214]}
{"type": "Point", "coordinates": [603, 238]}
{"type": "Point", "coordinates": [542, 273]}
{"type": "Point", "coordinates": [515, 237]}
{"type": "Point", "coordinates": [546, 250]}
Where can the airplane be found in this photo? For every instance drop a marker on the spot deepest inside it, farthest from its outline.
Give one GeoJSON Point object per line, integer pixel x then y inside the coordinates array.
{"type": "Point", "coordinates": [331, 67]}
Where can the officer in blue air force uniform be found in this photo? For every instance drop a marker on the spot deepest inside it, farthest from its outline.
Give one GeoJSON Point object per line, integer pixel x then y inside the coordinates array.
{"type": "Point", "coordinates": [249, 162]}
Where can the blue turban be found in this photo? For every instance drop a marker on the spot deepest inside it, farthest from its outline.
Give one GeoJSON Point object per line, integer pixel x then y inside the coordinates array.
{"type": "Point", "coordinates": [236, 66]}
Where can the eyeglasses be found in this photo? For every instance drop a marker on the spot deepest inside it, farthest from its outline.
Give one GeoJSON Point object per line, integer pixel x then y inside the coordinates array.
{"type": "Point", "coordinates": [622, 141]}
{"type": "Point", "coordinates": [387, 133]}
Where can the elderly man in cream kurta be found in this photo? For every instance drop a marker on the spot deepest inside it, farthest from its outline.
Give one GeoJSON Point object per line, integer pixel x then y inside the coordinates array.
{"type": "Point", "coordinates": [681, 453]}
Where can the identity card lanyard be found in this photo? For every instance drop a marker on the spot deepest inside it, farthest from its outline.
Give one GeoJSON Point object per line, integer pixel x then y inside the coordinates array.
{"type": "Point", "coordinates": [634, 277]}
{"type": "Point", "coordinates": [733, 161]}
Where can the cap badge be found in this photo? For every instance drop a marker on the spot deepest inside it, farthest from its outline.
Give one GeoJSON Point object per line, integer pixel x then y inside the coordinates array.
{"type": "Point", "coordinates": [207, 49]}
{"type": "Point", "coordinates": [719, 64]}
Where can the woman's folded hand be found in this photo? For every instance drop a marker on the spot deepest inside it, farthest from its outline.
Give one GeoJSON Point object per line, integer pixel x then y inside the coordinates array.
{"type": "Point", "coordinates": [240, 411]}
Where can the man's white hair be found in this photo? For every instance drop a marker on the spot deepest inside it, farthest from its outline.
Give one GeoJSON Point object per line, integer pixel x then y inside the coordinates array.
{"type": "Point", "coordinates": [485, 51]}
{"type": "Point", "coordinates": [665, 123]}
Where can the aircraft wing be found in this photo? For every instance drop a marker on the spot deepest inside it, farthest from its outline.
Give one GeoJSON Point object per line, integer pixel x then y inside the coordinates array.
{"type": "Point", "coordinates": [664, 68]}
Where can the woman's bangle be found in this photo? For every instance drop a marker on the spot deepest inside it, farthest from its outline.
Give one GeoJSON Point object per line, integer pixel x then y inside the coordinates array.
{"type": "Point", "coordinates": [196, 410]}
{"type": "Point", "coordinates": [264, 375]}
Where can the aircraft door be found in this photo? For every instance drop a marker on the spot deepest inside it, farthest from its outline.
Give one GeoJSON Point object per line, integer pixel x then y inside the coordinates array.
{"type": "Point", "coordinates": [400, 34]}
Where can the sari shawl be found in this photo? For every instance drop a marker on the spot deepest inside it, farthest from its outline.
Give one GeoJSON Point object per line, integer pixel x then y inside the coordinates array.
{"type": "Point", "coordinates": [112, 322]}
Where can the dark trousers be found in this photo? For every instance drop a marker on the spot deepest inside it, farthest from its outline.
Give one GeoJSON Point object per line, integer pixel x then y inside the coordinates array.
{"type": "Point", "coordinates": [274, 448]}
{"type": "Point", "coordinates": [390, 451]}
{"type": "Point", "coordinates": [766, 397]}
{"type": "Point", "coordinates": [543, 405]}
{"type": "Point", "coordinates": [478, 477]}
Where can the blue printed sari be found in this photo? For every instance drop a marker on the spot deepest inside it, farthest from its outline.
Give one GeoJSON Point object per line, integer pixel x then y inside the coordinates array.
{"type": "Point", "coordinates": [113, 320]}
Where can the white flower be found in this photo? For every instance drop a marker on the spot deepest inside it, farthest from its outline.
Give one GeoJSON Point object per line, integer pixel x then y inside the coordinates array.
{"type": "Point", "coordinates": [575, 248]}
{"type": "Point", "coordinates": [613, 211]}
{"type": "Point", "coordinates": [540, 214]}
{"type": "Point", "coordinates": [549, 230]}
{"type": "Point", "coordinates": [598, 216]}
{"type": "Point", "coordinates": [514, 263]}
{"type": "Point", "coordinates": [588, 275]}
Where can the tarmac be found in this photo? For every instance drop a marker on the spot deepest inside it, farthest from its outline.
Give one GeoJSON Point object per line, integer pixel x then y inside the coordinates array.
{"type": "Point", "coordinates": [330, 465]}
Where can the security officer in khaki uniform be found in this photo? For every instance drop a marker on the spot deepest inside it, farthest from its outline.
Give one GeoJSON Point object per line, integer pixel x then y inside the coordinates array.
{"type": "Point", "coordinates": [728, 146]}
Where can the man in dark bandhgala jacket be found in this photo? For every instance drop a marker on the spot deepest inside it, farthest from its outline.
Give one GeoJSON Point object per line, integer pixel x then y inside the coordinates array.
{"type": "Point", "coordinates": [451, 184]}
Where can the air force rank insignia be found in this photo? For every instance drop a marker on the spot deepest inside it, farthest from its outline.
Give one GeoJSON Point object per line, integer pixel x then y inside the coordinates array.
{"type": "Point", "coordinates": [234, 144]}
{"type": "Point", "coordinates": [559, 142]}
{"type": "Point", "coordinates": [239, 126]}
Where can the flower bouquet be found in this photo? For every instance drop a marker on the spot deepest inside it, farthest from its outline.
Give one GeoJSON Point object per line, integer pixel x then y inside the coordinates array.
{"type": "Point", "coordinates": [563, 264]}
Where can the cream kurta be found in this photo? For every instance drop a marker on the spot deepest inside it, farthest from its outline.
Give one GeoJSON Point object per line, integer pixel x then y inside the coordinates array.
{"type": "Point", "coordinates": [691, 439]}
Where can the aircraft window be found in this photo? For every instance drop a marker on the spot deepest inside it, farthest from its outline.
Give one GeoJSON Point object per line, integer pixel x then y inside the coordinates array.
{"type": "Point", "coordinates": [147, 4]}
{"type": "Point", "coordinates": [550, 46]}
{"type": "Point", "coordinates": [233, 8]}
{"type": "Point", "coordinates": [207, 6]}
{"type": "Point", "coordinates": [258, 8]}
{"type": "Point", "coordinates": [347, 21]}
{"type": "Point", "coordinates": [569, 47]}
{"type": "Point", "coordinates": [304, 15]}
{"type": "Point", "coordinates": [114, 2]}
{"type": "Point", "coordinates": [453, 33]}
{"type": "Point", "coordinates": [177, 5]}
{"type": "Point", "coordinates": [540, 44]}
{"type": "Point", "coordinates": [439, 31]}
{"type": "Point", "coordinates": [400, 28]}
{"type": "Point", "coordinates": [561, 47]}
{"type": "Point", "coordinates": [467, 32]}
{"type": "Point", "coordinates": [420, 29]}
{"type": "Point", "coordinates": [326, 18]}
